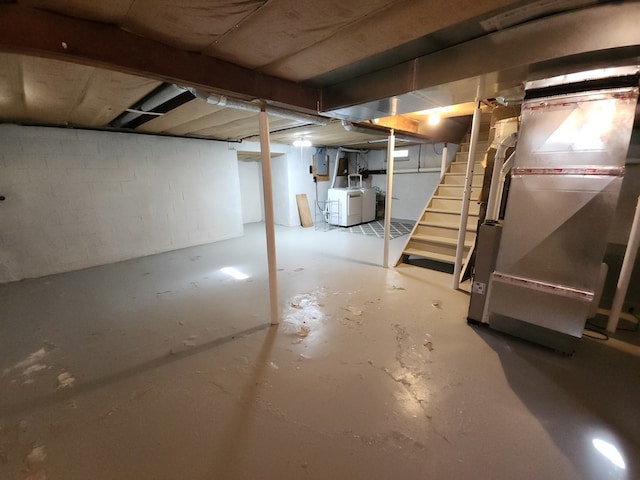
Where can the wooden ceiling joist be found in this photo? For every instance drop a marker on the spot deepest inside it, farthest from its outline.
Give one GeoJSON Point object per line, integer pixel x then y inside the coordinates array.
{"type": "Point", "coordinates": [40, 33]}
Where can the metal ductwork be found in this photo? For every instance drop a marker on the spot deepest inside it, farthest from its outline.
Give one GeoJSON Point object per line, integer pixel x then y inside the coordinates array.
{"type": "Point", "coordinates": [566, 178]}
{"type": "Point", "coordinates": [229, 102]}
{"type": "Point", "coordinates": [497, 64]}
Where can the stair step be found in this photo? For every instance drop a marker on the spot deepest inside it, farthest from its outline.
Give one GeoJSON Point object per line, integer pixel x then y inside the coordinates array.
{"type": "Point", "coordinates": [461, 167]}
{"type": "Point", "coordinates": [453, 204]}
{"type": "Point", "coordinates": [447, 197]}
{"type": "Point", "coordinates": [459, 178]}
{"type": "Point", "coordinates": [477, 163]}
{"type": "Point", "coordinates": [449, 212]}
{"type": "Point", "coordinates": [457, 190]}
{"type": "Point", "coordinates": [440, 240]}
{"type": "Point", "coordinates": [482, 145]}
{"type": "Point", "coordinates": [439, 257]}
{"type": "Point", "coordinates": [448, 226]}
{"type": "Point", "coordinates": [449, 217]}
{"type": "Point", "coordinates": [463, 174]}
{"type": "Point", "coordinates": [464, 155]}
{"type": "Point", "coordinates": [443, 232]}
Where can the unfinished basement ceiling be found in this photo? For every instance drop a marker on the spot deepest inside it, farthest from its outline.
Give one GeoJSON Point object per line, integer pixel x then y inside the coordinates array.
{"type": "Point", "coordinates": [286, 38]}
{"type": "Point", "coordinates": [91, 64]}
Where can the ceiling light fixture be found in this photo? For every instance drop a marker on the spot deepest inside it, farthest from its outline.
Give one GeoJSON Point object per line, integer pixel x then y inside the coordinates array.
{"type": "Point", "coordinates": [610, 452]}
{"type": "Point", "coordinates": [434, 119]}
{"type": "Point", "coordinates": [301, 142]}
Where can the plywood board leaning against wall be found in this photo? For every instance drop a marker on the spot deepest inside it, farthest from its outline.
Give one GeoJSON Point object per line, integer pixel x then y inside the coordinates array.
{"type": "Point", "coordinates": [304, 211]}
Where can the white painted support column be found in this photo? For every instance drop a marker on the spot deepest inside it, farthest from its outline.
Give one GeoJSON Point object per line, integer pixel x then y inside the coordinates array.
{"type": "Point", "coordinates": [267, 187]}
{"type": "Point", "coordinates": [625, 271]}
{"type": "Point", "coordinates": [464, 213]}
{"type": "Point", "coordinates": [391, 146]}
{"type": "Point", "coordinates": [443, 166]}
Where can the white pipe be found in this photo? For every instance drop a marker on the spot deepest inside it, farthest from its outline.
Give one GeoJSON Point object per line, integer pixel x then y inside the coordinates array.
{"type": "Point", "coordinates": [269, 219]}
{"type": "Point", "coordinates": [335, 168]}
{"type": "Point", "coordinates": [167, 93]}
{"type": "Point", "coordinates": [335, 163]}
{"type": "Point", "coordinates": [391, 146]}
{"type": "Point", "coordinates": [443, 164]}
{"type": "Point", "coordinates": [229, 102]}
{"type": "Point", "coordinates": [464, 213]}
{"type": "Point", "coordinates": [498, 163]}
{"type": "Point", "coordinates": [379, 130]}
{"type": "Point", "coordinates": [625, 271]}
{"type": "Point", "coordinates": [506, 167]}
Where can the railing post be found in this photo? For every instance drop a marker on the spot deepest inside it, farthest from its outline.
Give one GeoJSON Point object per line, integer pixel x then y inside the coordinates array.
{"type": "Point", "coordinates": [464, 213]}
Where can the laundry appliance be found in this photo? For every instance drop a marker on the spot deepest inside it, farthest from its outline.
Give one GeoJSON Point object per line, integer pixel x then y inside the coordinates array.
{"type": "Point", "coordinates": [352, 205]}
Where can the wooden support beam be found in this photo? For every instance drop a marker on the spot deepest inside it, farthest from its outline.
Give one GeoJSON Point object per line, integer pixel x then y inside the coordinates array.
{"type": "Point", "coordinates": [40, 33]}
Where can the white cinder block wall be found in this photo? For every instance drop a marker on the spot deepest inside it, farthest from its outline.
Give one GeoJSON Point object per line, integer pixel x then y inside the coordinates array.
{"type": "Point", "coordinates": [301, 182]}
{"type": "Point", "coordinates": [78, 198]}
{"type": "Point", "coordinates": [411, 191]}
{"type": "Point", "coordinates": [251, 191]}
{"type": "Point", "coordinates": [282, 192]}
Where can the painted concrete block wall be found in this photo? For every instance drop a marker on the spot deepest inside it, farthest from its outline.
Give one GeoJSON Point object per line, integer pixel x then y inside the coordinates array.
{"type": "Point", "coordinates": [251, 191]}
{"type": "Point", "coordinates": [301, 182]}
{"type": "Point", "coordinates": [411, 191]}
{"type": "Point", "coordinates": [280, 178]}
{"type": "Point", "coordinates": [77, 198]}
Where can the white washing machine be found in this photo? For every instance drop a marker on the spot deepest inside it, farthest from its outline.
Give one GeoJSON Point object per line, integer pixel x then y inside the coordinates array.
{"type": "Point", "coordinates": [344, 206]}
{"type": "Point", "coordinates": [368, 204]}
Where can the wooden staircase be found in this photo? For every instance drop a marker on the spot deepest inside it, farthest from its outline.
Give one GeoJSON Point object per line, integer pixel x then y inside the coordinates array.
{"type": "Point", "coordinates": [435, 235]}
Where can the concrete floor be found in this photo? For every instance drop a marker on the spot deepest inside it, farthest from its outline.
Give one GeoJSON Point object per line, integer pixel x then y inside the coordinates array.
{"type": "Point", "coordinates": [165, 368]}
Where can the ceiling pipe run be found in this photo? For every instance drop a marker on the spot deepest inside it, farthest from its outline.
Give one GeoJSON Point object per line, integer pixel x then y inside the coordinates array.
{"type": "Point", "coordinates": [163, 95]}
{"type": "Point", "coordinates": [224, 101]}
{"type": "Point", "coordinates": [385, 132]}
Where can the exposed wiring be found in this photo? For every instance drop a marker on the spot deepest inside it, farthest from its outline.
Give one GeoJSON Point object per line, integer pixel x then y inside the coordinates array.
{"type": "Point", "coordinates": [592, 324]}
{"type": "Point", "coordinates": [597, 332]}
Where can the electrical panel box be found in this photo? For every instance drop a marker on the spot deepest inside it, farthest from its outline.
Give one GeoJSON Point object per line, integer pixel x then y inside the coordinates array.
{"type": "Point", "coordinates": [322, 164]}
